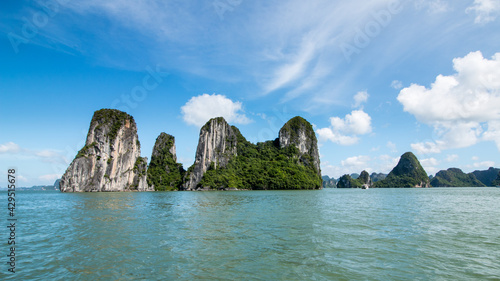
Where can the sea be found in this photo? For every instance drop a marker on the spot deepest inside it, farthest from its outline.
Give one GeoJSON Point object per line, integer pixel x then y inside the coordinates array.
{"type": "Point", "coordinates": [329, 234]}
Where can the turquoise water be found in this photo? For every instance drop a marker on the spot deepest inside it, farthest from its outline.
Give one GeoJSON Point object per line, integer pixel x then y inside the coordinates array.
{"type": "Point", "coordinates": [331, 234]}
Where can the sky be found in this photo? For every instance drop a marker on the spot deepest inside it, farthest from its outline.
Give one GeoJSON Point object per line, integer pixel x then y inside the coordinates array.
{"type": "Point", "coordinates": [375, 78]}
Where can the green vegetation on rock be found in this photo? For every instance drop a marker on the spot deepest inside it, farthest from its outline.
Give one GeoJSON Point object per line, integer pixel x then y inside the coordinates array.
{"type": "Point", "coordinates": [85, 150]}
{"type": "Point", "coordinates": [113, 118]}
{"type": "Point", "coordinates": [487, 176]}
{"type": "Point", "coordinates": [294, 125]}
{"type": "Point", "coordinates": [496, 182]}
{"type": "Point", "coordinates": [263, 166]}
{"type": "Point", "coordinates": [164, 173]}
{"type": "Point", "coordinates": [454, 177]}
{"type": "Point", "coordinates": [407, 173]}
{"type": "Point", "coordinates": [346, 181]}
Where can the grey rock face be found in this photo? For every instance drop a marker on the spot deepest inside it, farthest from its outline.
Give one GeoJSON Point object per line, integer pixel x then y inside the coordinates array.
{"type": "Point", "coordinates": [164, 173]}
{"type": "Point", "coordinates": [298, 132]}
{"type": "Point", "coordinates": [110, 159]}
{"type": "Point", "coordinates": [216, 146]}
{"type": "Point", "coordinates": [365, 179]}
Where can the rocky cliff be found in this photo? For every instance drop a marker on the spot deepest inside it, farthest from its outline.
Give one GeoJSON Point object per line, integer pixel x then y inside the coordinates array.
{"type": "Point", "coordinates": [164, 173]}
{"type": "Point", "coordinates": [487, 176]}
{"type": "Point", "coordinates": [110, 159]}
{"type": "Point", "coordinates": [298, 132]}
{"type": "Point", "coordinates": [454, 177]}
{"type": "Point", "coordinates": [329, 182]}
{"type": "Point", "coordinates": [346, 181]}
{"type": "Point", "coordinates": [365, 179]}
{"type": "Point", "coordinates": [496, 182]}
{"type": "Point", "coordinates": [216, 146]}
{"type": "Point", "coordinates": [226, 160]}
{"type": "Point", "coordinates": [407, 173]}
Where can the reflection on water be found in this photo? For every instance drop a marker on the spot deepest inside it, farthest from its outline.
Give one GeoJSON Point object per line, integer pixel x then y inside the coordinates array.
{"type": "Point", "coordinates": [374, 234]}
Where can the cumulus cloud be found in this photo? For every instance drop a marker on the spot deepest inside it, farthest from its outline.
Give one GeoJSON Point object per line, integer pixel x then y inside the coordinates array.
{"type": "Point", "coordinates": [344, 131]}
{"type": "Point", "coordinates": [463, 108]}
{"type": "Point", "coordinates": [486, 10]}
{"type": "Point", "coordinates": [198, 110]}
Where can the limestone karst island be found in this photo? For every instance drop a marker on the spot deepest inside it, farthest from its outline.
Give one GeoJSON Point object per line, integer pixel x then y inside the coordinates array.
{"type": "Point", "coordinates": [111, 161]}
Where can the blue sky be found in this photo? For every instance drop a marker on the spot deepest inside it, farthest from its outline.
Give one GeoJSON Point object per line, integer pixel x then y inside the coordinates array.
{"type": "Point", "coordinates": [375, 79]}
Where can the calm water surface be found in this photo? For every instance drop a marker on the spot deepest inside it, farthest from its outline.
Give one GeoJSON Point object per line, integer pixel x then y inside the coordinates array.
{"type": "Point", "coordinates": [331, 234]}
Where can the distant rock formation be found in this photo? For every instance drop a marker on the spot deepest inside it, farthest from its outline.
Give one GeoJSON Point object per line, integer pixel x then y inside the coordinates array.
{"type": "Point", "coordinates": [487, 176]}
{"type": "Point", "coordinates": [365, 180]}
{"type": "Point", "coordinates": [407, 173]}
{"type": "Point", "coordinates": [329, 182]}
{"type": "Point", "coordinates": [226, 160]}
{"type": "Point", "coordinates": [297, 131]}
{"type": "Point", "coordinates": [216, 146]}
{"type": "Point", "coordinates": [346, 181]}
{"type": "Point", "coordinates": [111, 158]}
{"type": "Point", "coordinates": [454, 177]}
{"type": "Point", "coordinates": [496, 182]}
{"type": "Point", "coordinates": [377, 177]}
{"type": "Point", "coordinates": [56, 184]}
{"type": "Point", "coordinates": [362, 181]}
{"type": "Point", "coordinates": [164, 173]}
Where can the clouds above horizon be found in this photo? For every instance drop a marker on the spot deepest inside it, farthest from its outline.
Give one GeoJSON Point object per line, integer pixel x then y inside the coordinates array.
{"type": "Point", "coordinates": [486, 10]}
{"type": "Point", "coordinates": [463, 108]}
{"type": "Point", "coordinates": [345, 131]}
{"type": "Point", "coordinates": [356, 164]}
{"type": "Point", "coordinates": [198, 110]}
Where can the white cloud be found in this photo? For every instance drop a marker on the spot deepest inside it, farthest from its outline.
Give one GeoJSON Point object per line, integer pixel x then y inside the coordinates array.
{"type": "Point", "coordinates": [356, 123]}
{"type": "Point", "coordinates": [427, 147]}
{"type": "Point", "coordinates": [474, 158]}
{"type": "Point", "coordinates": [9, 147]}
{"type": "Point", "coordinates": [329, 134]}
{"type": "Point", "coordinates": [482, 165]}
{"type": "Point", "coordinates": [344, 131]}
{"type": "Point", "coordinates": [396, 84]}
{"type": "Point", "coordinates": [356, 164]}
{"type": "Point", "coordinates": [458, 106]}
{"type": "Point", "coordinates": [452, 158]}
{"type": "Point", "coordinates": [50, 177]}
{"type": "Point", "coordinates": [429, 165]}
{"type": "Point", "coordinates": [486, 10]}
{"type": "Point", "coordinates": [493, 133]}
{"type": "Point", "coordinates": [429, 162]}
{"type": "Point", "coordinates": [360, 98]}
{"type": "Point", "coordinates": [392, 146]}
{"type": "Point", "coordinates": [22, 178]}
{"type": "Point", "coordinates": [356, 161]}
{"type": "Point", "coordinates": [198, 110]}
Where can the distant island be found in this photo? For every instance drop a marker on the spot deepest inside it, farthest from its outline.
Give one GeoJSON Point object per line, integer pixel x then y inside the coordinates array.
{"type": "Point", "coordinates": [225, 160]}
{"type": "Point", "coordinates": [409, 173]}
